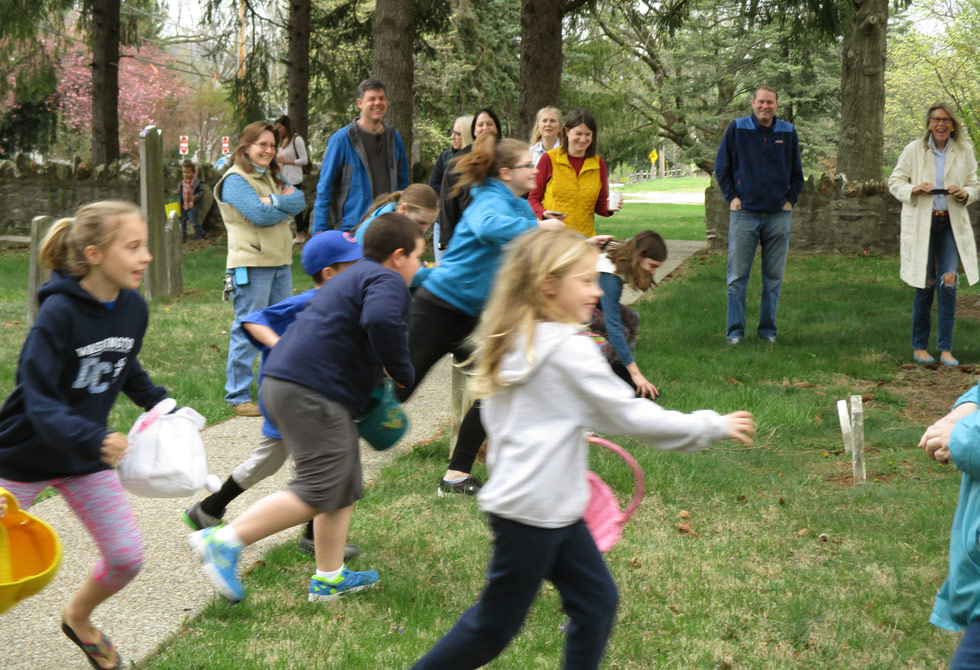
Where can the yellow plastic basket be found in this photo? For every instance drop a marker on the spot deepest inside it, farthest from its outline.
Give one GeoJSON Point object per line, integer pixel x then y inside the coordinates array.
{"type": "Point", "coordinates": [171, 208]}
{"type": "Point", "coordinates": [30, 554]}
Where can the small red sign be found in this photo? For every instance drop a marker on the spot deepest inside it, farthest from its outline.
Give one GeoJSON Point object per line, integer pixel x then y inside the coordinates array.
{"type": "Point", "coordinates": [185, 145]}
{"type": "Point", "coordinates": [225, 145]}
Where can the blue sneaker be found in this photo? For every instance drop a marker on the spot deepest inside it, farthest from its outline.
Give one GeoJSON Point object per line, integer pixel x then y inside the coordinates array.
{"type": "Point", "coordinates": [220, 563]}
{"type": "Point", "coordinates": [348, 582]}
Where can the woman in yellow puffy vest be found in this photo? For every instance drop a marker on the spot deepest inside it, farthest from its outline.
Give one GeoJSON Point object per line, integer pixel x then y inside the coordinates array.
{"type": "Point", "coordinates": [572, 182]}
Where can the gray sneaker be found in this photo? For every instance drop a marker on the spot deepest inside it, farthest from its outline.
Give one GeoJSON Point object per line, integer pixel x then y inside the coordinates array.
{"type": "Point", "coordinates": [306, 547]}
{"type": "Point", "coordinates": [198, 519]}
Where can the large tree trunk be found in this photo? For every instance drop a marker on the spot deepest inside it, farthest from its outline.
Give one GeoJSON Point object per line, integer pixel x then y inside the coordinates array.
{"type": "Point", "coordinates": [298, 58]}
{"type": "Point", "coordinates": [105, 81]}
{"type": "Point", "coordinates": [392, 61]}
{"type": "Point", "coordinates": [861, 145]}
{"type": "Point", "coordinates": [541, 60]}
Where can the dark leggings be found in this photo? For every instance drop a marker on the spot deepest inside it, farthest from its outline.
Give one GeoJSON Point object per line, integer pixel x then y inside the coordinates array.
{"type": "Point", "coordinates": [524, 556]}
{"type": "Point", "coordinates": [435, 329]}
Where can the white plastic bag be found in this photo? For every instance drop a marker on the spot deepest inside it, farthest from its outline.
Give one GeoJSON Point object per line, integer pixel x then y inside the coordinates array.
{"type": "Point", "coordinates": [165, 457]}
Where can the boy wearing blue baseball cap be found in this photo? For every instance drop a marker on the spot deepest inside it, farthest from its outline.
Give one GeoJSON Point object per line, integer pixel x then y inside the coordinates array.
{"type": "Point", "coordinates": [317, 379]}
{"type": "Point", "coordinates": [325, 256]}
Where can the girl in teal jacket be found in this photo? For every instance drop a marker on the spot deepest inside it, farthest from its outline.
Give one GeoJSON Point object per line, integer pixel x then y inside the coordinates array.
{"type": "Point", "coordinates": [956, 437]}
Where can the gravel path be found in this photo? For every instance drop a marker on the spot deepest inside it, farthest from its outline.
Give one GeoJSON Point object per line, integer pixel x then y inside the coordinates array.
{"type": "Point", "coordinates": [171, 586]}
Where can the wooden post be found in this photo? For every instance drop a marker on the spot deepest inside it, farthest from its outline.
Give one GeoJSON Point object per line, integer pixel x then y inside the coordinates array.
{"type": "Point", "coordinates": [845, 426]}
{"type": "Point", "coordinates": [857, 430]}
{"type": "Point", "coordinates": [457, 401]}
{"type": "Point", "coordinates": [151, 202]}
{"type": "Point", "coordinates": [37, 274]}
{"type": "Point", "coordinates": [174, 255]}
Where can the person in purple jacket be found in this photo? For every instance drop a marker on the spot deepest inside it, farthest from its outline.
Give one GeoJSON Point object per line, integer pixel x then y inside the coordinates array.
{"type": "Point", "coordinates": [759, 171]}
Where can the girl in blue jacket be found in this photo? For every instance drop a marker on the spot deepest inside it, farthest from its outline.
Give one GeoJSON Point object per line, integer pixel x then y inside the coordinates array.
{"type": "Point", "coordinates": [79, 354]}
{"type": "Point", "coordinates": [450, 299]}
{"type": "Point", "coordinates": [955, 438]}
{"type": "Point", "coordinates": [635, 262]}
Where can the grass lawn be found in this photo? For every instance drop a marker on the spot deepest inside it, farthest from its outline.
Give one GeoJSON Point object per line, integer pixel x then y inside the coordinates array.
{"type": "Point", "coordinates": [668, 184]}
{"type": "Point", "coordinates": [780, 563]}
{"type": "Point", "coordinates": [673, 222]}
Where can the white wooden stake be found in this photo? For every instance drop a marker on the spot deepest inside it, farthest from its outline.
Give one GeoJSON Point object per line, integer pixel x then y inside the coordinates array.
{"type": "Point", "coordinates": [845, 426]}
{"type": "Point", "coordinates": [857, 435]}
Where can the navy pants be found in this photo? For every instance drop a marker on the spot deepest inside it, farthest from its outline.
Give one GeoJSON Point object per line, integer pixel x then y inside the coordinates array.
{"type": "Point", "coordinates": [967, 655]}
{"type": "Point", "coordinates": [523, 556]}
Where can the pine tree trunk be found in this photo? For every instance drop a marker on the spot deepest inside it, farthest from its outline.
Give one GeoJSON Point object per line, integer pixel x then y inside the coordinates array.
{"type": "Point", "coordinates": [298, 58]}
{"type": "Point", "coordinates": [541, 60]}
{"type": "Point", "coordinates": [392, 61]}
{"type": "Point", "coordinates": [861, 146]}
{"type": "Point", "coordinates": [105, 81]}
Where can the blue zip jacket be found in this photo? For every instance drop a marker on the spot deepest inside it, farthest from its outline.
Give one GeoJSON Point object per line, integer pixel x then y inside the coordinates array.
{"type": "Point", "coordinates": [279, 318]}
{"type": "Point", "coordinates": [344, 194]}
{"type": "Point", "coordinates": [495, 217]}
{"type": "Point", "coordinates": [958, 600]}
{"type": "Point", "coordinates": [350, 332]}
{"type": "Point", "coordinates": [760, 165]}
{"type": "Point", "coordinates": [78, 356]}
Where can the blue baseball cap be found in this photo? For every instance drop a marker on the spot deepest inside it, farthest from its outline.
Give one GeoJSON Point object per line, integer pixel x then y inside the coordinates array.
{"type": "Point", "coordinates": [329, 247]}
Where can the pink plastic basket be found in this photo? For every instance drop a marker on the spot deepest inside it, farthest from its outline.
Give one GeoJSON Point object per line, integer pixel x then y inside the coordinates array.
{"type": "Point", "coordinates": [603, 517]}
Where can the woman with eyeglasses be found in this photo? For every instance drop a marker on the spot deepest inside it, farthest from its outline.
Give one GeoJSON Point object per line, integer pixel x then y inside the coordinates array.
{"type": "Point", "coordinates": [573, 184]}
{"type": "Point", "coordinates": [461, 137]}
{"type": "Point", "coordinates": [454, 201]}
{"type": "Point", "coordinates": [935, 179]}
{"type": "Point", "coordinates": [255, 203]}
{"type": "Point", "coordinates": [451, 296]}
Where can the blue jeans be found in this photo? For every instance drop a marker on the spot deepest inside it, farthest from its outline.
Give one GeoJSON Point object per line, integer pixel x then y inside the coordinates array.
{"type": "Point", "coordinates": [266, 286]}
{"type": "Point", "coordinates": [746, 231]}
{"type": "Point", "coordinates": [967, 656]}
{"type": "Point", "coordinates": [943, 259]}
{"type": "Point", "coordinates": [523, 556]}
{"type": "Point", "coordinates": [190, 214]}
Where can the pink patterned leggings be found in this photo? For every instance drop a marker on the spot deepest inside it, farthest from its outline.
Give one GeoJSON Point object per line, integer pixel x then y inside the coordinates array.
{"type": "Point", "coordinates": [100, 502]}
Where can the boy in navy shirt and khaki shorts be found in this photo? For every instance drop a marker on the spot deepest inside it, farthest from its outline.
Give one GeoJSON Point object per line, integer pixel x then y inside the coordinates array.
{"type": "Point", "coordinates": [317, 379]}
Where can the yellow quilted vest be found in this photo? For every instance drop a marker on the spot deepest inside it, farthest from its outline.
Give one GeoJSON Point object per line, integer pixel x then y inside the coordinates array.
{"type": "Point", "coordinates": [573, 194]}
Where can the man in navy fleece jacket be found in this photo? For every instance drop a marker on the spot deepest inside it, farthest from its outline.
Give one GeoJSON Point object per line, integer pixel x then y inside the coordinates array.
{"type": "Point", "coordinates": [759, 171]}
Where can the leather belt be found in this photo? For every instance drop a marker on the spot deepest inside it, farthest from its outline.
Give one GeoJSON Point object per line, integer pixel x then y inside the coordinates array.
{"type": "Point", "coordinates": [943, 212]}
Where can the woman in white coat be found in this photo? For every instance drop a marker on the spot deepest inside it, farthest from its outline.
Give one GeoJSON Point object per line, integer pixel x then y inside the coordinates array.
{"type": "Point", "coordinates": [935, 179]}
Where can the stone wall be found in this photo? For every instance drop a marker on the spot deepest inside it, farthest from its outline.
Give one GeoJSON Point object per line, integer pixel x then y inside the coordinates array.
{"type": "Point", "coordinates": [29, 189]}
{"type": "Point", "coordinates": [830, 217]}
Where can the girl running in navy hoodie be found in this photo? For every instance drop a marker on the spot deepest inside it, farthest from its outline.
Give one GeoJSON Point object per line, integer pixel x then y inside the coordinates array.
{"type": "Point", "coordinates": [79, 354]}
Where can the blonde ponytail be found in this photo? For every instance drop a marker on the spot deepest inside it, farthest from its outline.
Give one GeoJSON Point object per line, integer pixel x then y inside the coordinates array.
{"type": "Point", "coordinates": [96, 224]}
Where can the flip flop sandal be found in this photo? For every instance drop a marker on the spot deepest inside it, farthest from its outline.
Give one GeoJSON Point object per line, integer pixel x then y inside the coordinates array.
{"type": "Point", "coordinates": [92, 652]}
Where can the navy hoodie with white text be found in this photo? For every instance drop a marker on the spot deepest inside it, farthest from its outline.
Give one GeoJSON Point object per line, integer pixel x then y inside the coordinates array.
{"type": "Point", "coordinates": [78, 356]}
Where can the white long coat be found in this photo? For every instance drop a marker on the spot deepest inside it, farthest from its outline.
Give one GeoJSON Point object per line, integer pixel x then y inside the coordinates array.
{"type": "Point", "coordinates": [916, 165]}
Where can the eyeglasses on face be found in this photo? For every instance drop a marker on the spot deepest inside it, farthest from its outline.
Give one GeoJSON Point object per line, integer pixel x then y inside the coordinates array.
{"type": "Point", "coordinates": [264, 145]}
{"type": "Point", "coordinates": [941, 120]}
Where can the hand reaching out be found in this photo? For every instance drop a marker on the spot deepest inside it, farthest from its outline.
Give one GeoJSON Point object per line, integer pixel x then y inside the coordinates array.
{"type": "Point", "coordinates": [741, 427]}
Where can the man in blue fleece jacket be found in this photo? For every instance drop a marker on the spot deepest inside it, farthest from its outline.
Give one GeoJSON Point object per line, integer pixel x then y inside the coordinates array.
{"type": "Point", "coordinates": [363, 160]}
{"type": "Point", "coordinates": [759, 171]}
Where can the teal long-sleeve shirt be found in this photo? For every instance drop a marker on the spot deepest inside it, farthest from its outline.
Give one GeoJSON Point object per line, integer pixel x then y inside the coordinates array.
{"type": "Point", "coordinates": [958, 600]}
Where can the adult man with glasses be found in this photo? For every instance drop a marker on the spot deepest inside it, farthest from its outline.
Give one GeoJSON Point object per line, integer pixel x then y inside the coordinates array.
{"type": "Point", "coordinates": [362, 161]}
{"type": "Point", "coordinates": [760, 173]}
